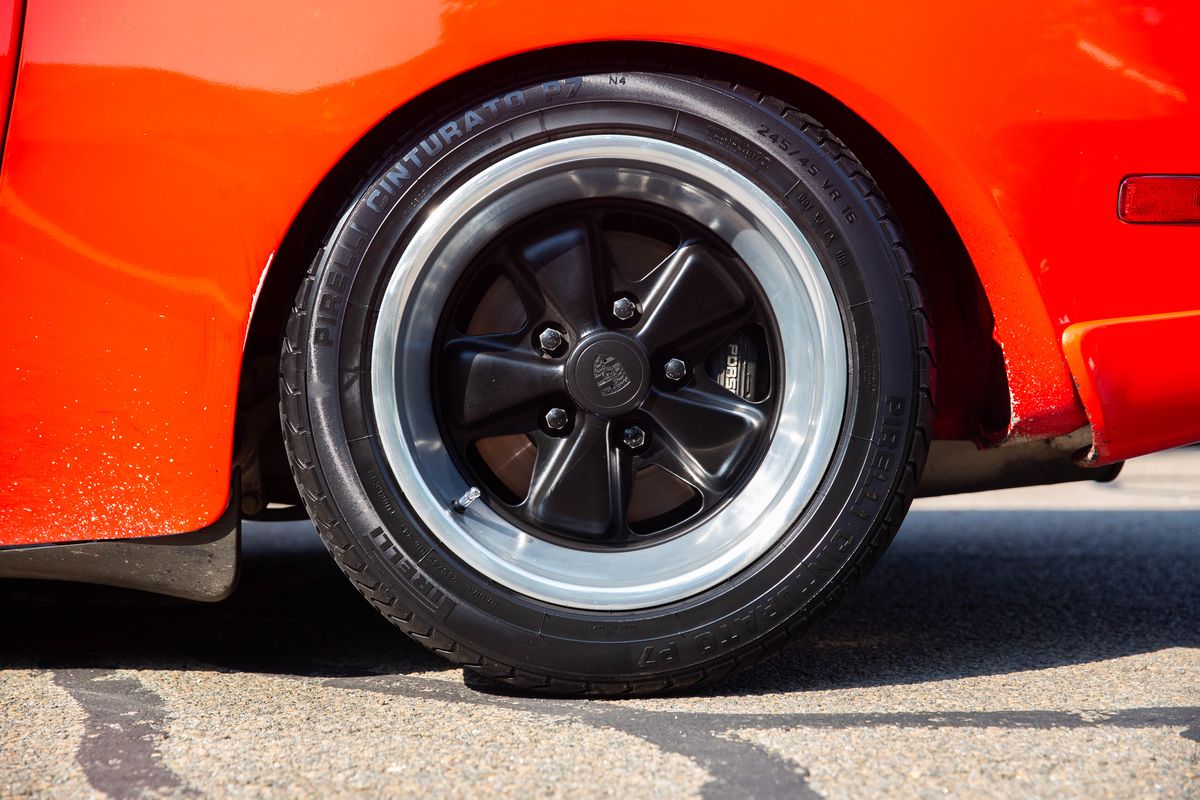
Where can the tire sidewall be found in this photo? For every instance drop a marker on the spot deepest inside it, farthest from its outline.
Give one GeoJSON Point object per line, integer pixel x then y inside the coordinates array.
{"type": "Point", "coordinates": [794, 579]}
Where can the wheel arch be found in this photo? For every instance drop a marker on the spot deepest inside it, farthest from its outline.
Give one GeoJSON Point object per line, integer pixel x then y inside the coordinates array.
{"type": "Point", "coordinates": [975, 399]}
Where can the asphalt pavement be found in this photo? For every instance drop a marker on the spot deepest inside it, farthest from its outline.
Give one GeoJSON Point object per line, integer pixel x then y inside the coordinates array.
{"type": "Point", "coordinates": [1027, 643]}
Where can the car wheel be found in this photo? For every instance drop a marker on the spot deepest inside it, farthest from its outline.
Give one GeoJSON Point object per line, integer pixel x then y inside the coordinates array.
{"type": "Point", "coordinates": [609, 384]}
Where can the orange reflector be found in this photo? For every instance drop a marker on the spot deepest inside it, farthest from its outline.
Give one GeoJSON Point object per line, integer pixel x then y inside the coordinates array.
{"type": "Point", "coordinates": [1160, 198]}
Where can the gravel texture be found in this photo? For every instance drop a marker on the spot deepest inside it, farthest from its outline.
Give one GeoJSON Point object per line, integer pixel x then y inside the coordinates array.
{"type": "Point", "coordinates": [1028, 643]}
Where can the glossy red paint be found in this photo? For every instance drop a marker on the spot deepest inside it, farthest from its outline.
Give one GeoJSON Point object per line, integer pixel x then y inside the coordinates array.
{"type": "Point", "coordinates": [1139, 378]}
{"type": "Point", "coordinates": [158, 152]}
{"type": "Point", "coordinates": [10, 37]}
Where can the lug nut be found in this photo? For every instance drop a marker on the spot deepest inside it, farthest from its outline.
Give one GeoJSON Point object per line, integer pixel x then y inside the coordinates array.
{"type": "Point", "coordinates": [675, 369]}
{"type": "Point", "coordinates": [557, 419]}
{"type": "Point", "coordinates": [624, 309]}
{"type": "Point", "coordinates": [551, 340]}
{"type": "Point", "coordinates": [633, 437]}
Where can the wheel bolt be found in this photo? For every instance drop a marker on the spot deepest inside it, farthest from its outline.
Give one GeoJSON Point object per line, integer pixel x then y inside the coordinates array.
{"type": "Point", "coordinates": [551, 340]}
{"type": "Point", "coordinates": [624, 309]}
{"type": "Point", "coordinates": [557, 419]}
{"type": "Point", "coordinates": [633, 437]}
{"type": "Point", "coordinates": [675, 369]}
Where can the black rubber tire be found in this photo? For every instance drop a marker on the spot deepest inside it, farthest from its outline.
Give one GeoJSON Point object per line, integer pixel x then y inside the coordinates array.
{"type": "Point", "coordinates": [421, 587]}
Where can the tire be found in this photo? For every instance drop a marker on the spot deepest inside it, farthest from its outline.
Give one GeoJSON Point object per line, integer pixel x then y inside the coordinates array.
{"type": "Point", "coordinates": [369, 417]}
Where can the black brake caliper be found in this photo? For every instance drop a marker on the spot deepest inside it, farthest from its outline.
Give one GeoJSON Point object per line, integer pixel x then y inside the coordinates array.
{"type": "Point", "coordinates": [735, 366]}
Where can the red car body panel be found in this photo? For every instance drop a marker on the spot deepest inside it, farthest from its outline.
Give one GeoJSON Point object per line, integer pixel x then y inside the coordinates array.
{"type": "Point", "coordinates": [10, 40]}
{"type": "Point", "coordinates": [157, 154]}
{"type": "Point", "coordinates": [1137, 400]}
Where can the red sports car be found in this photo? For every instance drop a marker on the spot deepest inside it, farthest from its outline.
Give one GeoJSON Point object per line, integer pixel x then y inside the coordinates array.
{"type": "Point", "coordinates": [610, 343]}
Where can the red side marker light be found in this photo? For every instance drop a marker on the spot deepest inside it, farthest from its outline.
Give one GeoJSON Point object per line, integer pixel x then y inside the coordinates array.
{"type": "Point", "coordinates": [1160, 199]}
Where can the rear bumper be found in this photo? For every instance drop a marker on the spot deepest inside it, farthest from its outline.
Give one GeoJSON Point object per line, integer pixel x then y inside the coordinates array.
{"type": "Point", "coordinates": [1139, 380]}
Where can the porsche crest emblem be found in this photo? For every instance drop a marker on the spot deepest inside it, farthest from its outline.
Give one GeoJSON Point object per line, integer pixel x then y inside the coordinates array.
{"type": "Point", "coordinates": [609, 374]}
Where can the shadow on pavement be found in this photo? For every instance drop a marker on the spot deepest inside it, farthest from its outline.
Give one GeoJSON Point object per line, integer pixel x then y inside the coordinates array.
{"type": "Point", "coordinates": [959, 593]}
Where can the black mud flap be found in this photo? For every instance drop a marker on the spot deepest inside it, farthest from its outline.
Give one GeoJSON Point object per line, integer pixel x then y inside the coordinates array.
{"type": "Point", "coordinates": [201, 565]}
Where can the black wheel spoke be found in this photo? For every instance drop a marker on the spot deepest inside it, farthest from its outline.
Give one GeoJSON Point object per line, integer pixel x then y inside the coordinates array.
{"type": "Point", "coordinates": [562, 264]}
{"type": "Point", "coordinates": [704, 434]}
{"type": "Point", "coordinates": [581, 484]}
{"type": "Point", "coordinates": [697, 347]}
{"type": "Point", "coordinates": [608, 376]}
{"type": "Point", "coordinates": [496, 384]}
{"type": "Point", "coordinates": [525, 284]}
{"type": "Point", "coordinates": [689, 296]}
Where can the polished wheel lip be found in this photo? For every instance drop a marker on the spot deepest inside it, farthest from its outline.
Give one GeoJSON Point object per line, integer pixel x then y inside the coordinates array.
{"type": "Point", "coordinates": [813, 361]}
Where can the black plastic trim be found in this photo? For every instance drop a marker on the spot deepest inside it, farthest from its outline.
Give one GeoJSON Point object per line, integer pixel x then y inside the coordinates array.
{"type": "Point", "coordinates": [201, 565]}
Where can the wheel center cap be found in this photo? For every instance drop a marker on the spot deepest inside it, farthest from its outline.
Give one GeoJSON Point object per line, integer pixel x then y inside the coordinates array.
{"type": "Point", "coordinates": [608, 374]}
